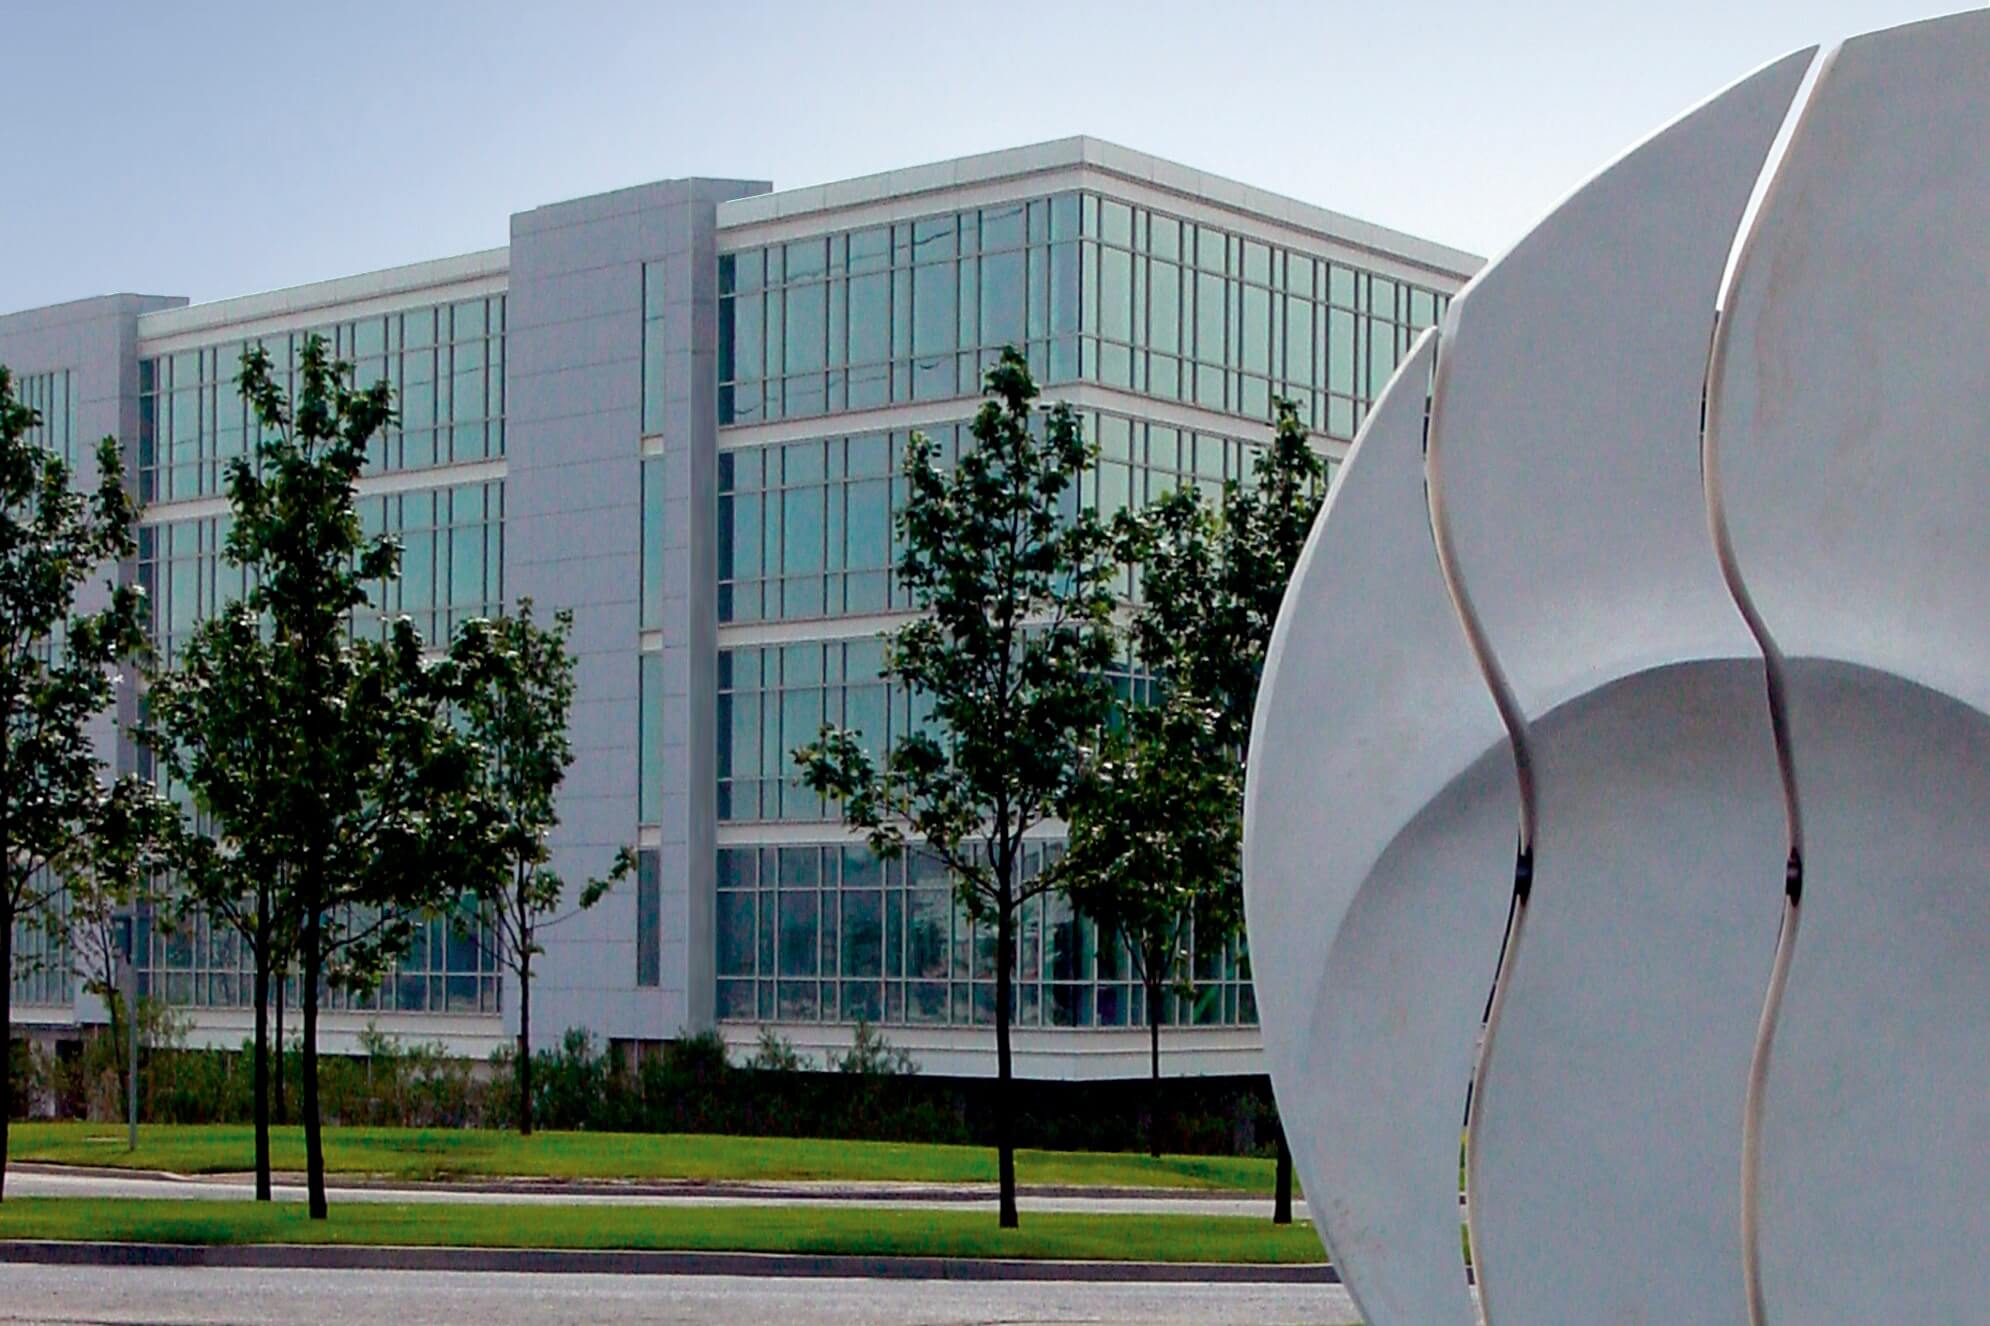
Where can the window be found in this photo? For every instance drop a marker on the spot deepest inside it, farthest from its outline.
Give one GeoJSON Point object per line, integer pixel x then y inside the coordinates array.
{"type": "Point", "coordinates": [445, 364]}
{"type": "Point", "coordinates": [831, 932]}
{"type": "Point", "coordinates": [649, 745]}
{"type": "Point", "coordinates": [52, 396]}
{"type": "Point", "coordinates": [651, 580]}
{"type": "Point", "coordinates": [649, 920]}
{"type": "Point", "coordinates": [653, 342]}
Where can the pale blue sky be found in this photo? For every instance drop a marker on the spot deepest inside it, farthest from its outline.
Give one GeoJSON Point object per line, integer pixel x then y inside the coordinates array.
{"type": "Point", "coordinates": [210, 149]}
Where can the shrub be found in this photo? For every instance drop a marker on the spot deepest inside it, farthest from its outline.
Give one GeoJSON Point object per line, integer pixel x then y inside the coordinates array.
{"type": "Point", "coordinates": [570, 1084]}
{"type": "Point", "coordinates": [872, 1091]}
{"type": "Point", "coordinates": [776, 1054]}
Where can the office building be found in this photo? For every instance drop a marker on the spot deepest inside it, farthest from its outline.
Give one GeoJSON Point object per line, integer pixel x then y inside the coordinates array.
{"type": "Point", "coordinates": [679, 410]}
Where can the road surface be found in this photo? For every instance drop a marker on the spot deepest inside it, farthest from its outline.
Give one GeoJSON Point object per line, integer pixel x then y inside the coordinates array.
{"type": "Point", "coordinates": [103, 1296]}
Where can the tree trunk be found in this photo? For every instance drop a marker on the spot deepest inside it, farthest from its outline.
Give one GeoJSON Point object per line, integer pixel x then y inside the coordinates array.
{"type": "Point", "coordinates": [261, 1054]}
{"type": "Point", "coordinates": [1281, 1208]}
{"type": "Point", "coordinates": [1154, 1062]}
{"type": "Point", "coordinates": [113, 1001]}
{"type": "Point", "coordinates": [278, 1109]}
{"type": "Point", "coordinates": [525, 1044]}
{"type": "Point", "coordinates": [1005, 1142]}
{"type": "Point", "coordinates": [307, 997]}
{"type": "Point", "coordinates": [6, 1026]}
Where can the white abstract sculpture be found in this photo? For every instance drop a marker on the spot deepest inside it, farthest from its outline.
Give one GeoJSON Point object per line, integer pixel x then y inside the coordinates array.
{"type": "Point", "coordinates": [1708, 636]}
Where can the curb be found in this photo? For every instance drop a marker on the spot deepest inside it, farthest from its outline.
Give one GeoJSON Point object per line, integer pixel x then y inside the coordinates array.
{"type": "Point", "coordinates": [328, 1257]}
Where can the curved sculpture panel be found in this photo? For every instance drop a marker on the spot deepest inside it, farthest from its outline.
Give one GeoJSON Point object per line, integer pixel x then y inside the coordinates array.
{"type": "Point", "coordinates": [1565, 471]}
{"type": "Point", "coordinates": [1378, 874]}
{"type": "Point", "coordinates": [1725, 585]}
{"type": "Point", "coordinates": [1851, 471]}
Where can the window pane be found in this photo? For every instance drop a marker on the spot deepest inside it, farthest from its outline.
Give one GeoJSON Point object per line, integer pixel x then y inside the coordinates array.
{"type": "Point", "coordinates": [649, 921]}
{"type": "Point", "coordinates": [799, 917]}
{"type": "Point", "coordinates": [652, 565]}
{"type": "Point", "coordinates": [870, 319]}
{"type": "Point", "coordinates": [1115, 294]}
{"type": "Point", "coordinates": [650, 745]}
{"type": "Point", "coordinates": [807, 328]}
{"type": "Point", "coordinates": [735, 920]}
{"type": "Point", "coordinates": [802, 529]}
{"type": "Point", "coordinates": [863, 932]}
{"type": "Point", "coordinates": [933, 309]}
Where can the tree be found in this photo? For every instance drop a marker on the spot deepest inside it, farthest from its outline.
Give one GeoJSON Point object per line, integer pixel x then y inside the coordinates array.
{"type": "Point", "coordinates": [1212, 584]}
{"type": "Point", "coordinates": [370, 806]}
{"type": "Point", "coordinates": [128, 842]}
{"type": "Point", "coordinates": [56, 673]}
{"type": "Point", "coordinates": [1212, 588]}
{"type": "Point", "coordinates": [207, 727]}
{"type": "Point", "coordinates": [511, 684]}
{"type": "Point", "coordinates": [1013, 582]}
{"type": "Point", "coordinates": [1154, 841]}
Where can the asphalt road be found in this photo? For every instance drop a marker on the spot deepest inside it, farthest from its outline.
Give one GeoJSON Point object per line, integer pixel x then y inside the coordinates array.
{"type": "Point", "coordinates": [100, 1296]}
{"type": "Point", "coordinates": [30, 1181]}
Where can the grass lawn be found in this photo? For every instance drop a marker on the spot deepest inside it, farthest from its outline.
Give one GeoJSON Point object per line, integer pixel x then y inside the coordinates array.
{"type": "Point", "coordinates": [463, 1153]}
{"type": "Point", "coordinates": [863, 1231]}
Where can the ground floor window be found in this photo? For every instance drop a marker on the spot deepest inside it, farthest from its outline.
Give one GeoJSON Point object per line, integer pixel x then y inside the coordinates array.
{"type": "Point", "coordinates": [831, 933]}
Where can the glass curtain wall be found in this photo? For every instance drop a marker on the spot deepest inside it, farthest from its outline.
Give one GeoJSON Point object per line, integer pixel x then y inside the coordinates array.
{"type": "Point", "coordinates": [445, 362]}
{"type": "Point", "coordinates": [1093, 289]}
{"type": "Point", "coordinates": [446, 365]}
{"type": "Point", "coordinates": [833, 933]}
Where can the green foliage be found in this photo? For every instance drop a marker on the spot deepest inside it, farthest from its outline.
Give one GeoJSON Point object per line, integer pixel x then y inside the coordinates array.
{"type": "Point", "coordinates": [775, 1053]}
{"type": "Point", "coordinates": [572, 1081]}
{"type": "Point", "coordinates": [685, 1113]}
{"type": "Point", "coordinates": [1157, 826]}
{"type": "Point", "coordinates": [810, 1228]}
{"type": "Point", "coordinates": [402, 1083]}
{"type": "Point", "coordinates": [342, 801]}
{"type": "Point", "coordinates": [56, 670]}
{"type": "Point", "coordinates": [511, 685]}
{"type": "Point", "coordinates": [375, 807]}
{"type": "Point", "coordinates": [871, 1055]}
{"type": "Point", "coordinates": [92, 1084]}
{"type": "Point", "coordinates": [130, 840]}
{"type": "Point", "coordinates": [1155, 836]}
{"type": "Point", "coordinates": [1156, 830]}
{"type": "Point", "coordinates": [1212, 582]}
{"type": "Point", "coordinates": [1012, 581]}
{"type": "Point", "coordinates": [182, 1086]}
{"type": "Point", "coordinates": [1009, 652]}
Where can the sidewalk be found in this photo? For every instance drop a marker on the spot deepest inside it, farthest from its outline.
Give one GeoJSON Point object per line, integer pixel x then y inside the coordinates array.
{"type": "Point", "coordinates": [41, 1180]}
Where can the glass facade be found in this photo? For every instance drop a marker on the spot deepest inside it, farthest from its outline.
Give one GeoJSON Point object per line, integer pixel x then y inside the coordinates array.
{"type": "Point", "coordinates": [774, 698]}
{"type": "Point", "coordinates": [42, 967]}
{"type": "Point", "coordinates": [199, 964]}
{"type": "Point", "coordinates": [1093, 289]}
{"type": "Point", "coordinates": [42, 971]}
{"type": "Point", "coordinates": [445, 362]}
{"type": "Point", "coordinates": [452, 564]}
{"type": "Point", "coordinates": [452, 557]}
{"type": "Point", "coordinates": [52, 396]}
{"type": "Point", "coordinates": [833, 933]}
{"type": "Point", "coordinates": [452, 569]}
{"type": "Point", "coordinates": [1194, 328]}
{"type": "Point", "coordinates": [805, 528]}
